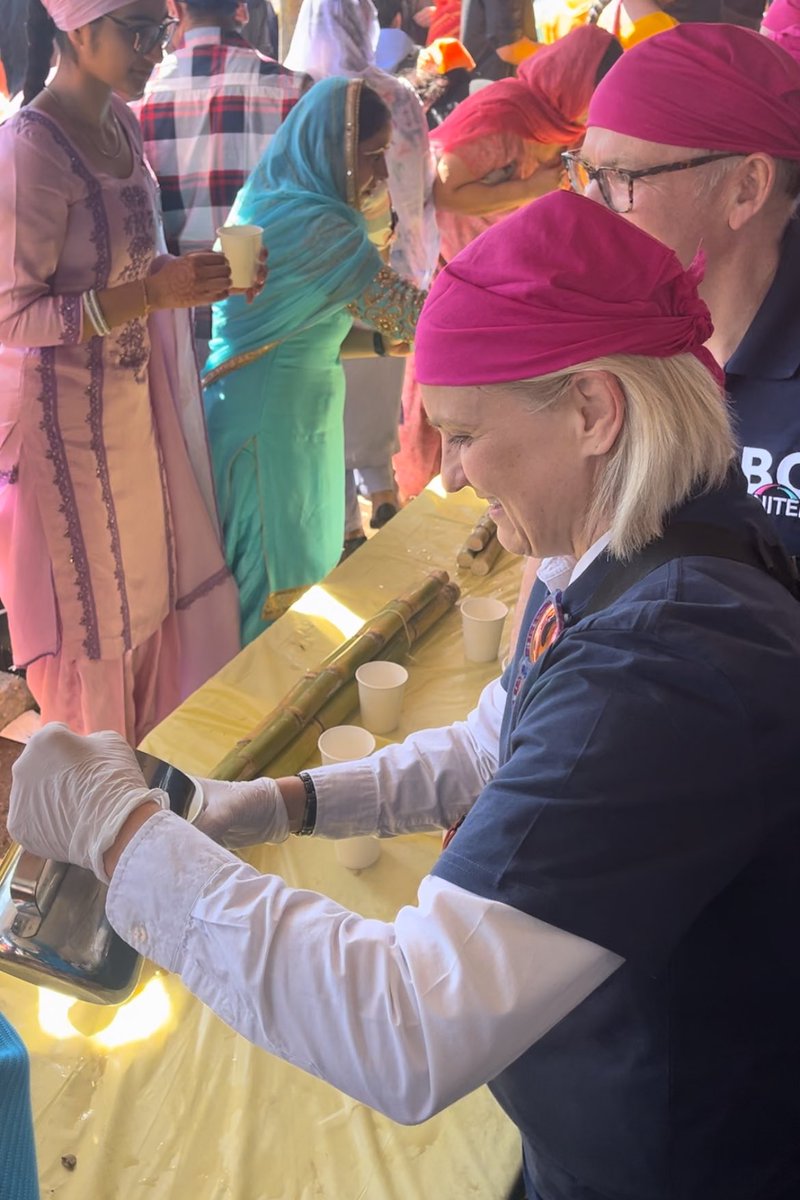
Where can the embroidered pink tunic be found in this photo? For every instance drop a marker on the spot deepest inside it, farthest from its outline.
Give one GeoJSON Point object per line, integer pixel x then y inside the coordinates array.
{"type": "Point", "coordinates": [110, 563]}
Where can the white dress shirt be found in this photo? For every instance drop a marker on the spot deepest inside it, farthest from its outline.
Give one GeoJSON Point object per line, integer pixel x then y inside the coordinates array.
{"type": "Point", "coordinates": [406, 1016]}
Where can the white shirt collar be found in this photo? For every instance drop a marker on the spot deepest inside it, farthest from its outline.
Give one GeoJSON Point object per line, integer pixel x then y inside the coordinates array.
{"type": "Point", "coordinates": [559, 572]}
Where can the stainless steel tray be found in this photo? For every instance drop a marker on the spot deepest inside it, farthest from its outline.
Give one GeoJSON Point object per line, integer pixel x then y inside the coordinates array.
{"type": "Point", "coordinates": [53, 927]}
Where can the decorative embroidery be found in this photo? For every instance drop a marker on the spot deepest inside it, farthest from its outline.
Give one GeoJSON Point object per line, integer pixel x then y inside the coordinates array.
{"type": "Point", "coordinates": [140, 228]}
{"type": "Point", "coordinates": [70, 309]}
{"type": "Point", "coordinates": [100, 238]}
{"type": "Point", "coordinates": [203, 588]}
{"type": "Point", "coordinates": [10, 476]}
{"type": "Point", "coordinates": [391, 304]}
{"type": "Point", "coordinates": [351, 101]}
{"type": "Point", "coordinates": [94, 420]}
{"type": "Point", "coordinates": [68, 506]}
{"type": "Point", "coordinates": [131, 348]}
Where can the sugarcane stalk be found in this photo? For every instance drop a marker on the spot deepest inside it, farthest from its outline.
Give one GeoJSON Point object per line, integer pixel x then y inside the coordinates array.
{"type": "Point", "coordinates": [465, 558]}
{"type": "Point", "coordinates": [486, 558]}
{"type": "Point", "coordinates": [316, 687]}
{"type": "Point", "coordinates": [301, 750]}
{"type": "Point", "coordinates": [484, 530]}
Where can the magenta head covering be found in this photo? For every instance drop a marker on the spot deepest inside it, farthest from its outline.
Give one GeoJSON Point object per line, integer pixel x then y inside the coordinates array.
{"type": "Point", "coordinates": [713, 87]}
{"type": "Point", "coordinates": [72, 14]}
{"type": "Point", "coordinates": [781, 24]}
{"type": "Point", "coordinates": [561, 282]}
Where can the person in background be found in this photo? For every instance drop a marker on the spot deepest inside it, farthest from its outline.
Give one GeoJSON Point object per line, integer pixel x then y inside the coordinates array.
{"type": "Point", "coordinates": [18, 1176]}
{"type": "Point", "coordinates": [14, 44]}
{"type": "Point", "coordinates": [781, 24]}
{"type": "Point", "coordinates": [339, 37]}
{"type": "Point", "coordinates": [260, 26]}
{"type": "Point", "coordinates": [207, 114]}
{"type": "Point", "coordinates": [496, 151]}
{"type": "Point", "coordinates": [695, 137]}
{"type": "Point", "coordinates": [499, 34]}
{"type": "Point", "coordinates": [395, 49]}
{"type": "Point", "coordinates": [274, 383]}
{"type": "Point", "coordinates": [445, 21]}
{"type": "Point", "coordinates": [608, 938]}
{"type": "Point", "coordinates": [111, 569]}
{"type": "Point", "coordinates": [630, 21]}
{"type": "Point", "coordinates": [442, 78]}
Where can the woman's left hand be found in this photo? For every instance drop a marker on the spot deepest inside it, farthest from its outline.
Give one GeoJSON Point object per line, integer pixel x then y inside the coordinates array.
{"type": "Point", "coordinates": [261, 278]}
{"type": "Point", "coordinates": [396, 349]}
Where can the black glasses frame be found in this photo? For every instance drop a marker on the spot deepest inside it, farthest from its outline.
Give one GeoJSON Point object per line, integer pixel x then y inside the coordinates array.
{"type": "Point", "coordinates": [601, 174]}
{"type": "Point", "coordinates": [147, 37]}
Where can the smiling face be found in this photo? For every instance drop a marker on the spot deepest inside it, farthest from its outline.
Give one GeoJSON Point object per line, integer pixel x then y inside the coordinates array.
{"type": "Point", "coordinates": [371, 169]}
{"type": "Point", "coordinates": [107, 48]}
{"type": "Point", "coordinates": [536, 467]}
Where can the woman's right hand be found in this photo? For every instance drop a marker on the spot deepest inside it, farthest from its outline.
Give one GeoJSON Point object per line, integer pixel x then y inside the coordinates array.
{"type": "Point", "coordinates": [192, 280]}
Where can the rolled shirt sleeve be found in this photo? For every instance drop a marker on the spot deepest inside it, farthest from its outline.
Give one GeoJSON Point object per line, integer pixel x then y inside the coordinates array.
{"type": "Point", "coordinates": [381, 1010]}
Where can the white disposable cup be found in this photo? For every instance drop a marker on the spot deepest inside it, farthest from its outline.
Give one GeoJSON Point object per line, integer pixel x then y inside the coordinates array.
{"type": "Point", "coordinates": [482, 620]}
{"type": "Point", "coordinates": [241, 245]}
{"type": "Point", "coordinates": [358, 852]}
{"type": "Point", "coordinates": [381, 686]}
{"type": "Point", "coordinates": [343, 743]}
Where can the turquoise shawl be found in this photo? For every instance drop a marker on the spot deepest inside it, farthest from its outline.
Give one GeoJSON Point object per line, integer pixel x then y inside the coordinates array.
{"type": "Point", "coordinates": [320, 258]}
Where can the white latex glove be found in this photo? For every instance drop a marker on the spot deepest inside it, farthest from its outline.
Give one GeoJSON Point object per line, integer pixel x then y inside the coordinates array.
{"type": "Point", "coordinates": [243, 814]}
{"type": "Point", "coordinates": [71, 795]}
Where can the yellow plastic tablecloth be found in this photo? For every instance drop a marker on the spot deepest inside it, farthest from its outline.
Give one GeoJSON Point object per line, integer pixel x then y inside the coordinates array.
{"type": "Point", "coordinates": [159, 1099]}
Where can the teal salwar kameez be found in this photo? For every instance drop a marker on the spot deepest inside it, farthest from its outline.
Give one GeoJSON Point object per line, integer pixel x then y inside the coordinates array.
{"type": "Point", "coordinates": [275, 384]}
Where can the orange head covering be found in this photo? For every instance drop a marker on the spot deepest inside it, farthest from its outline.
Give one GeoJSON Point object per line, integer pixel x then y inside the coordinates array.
{"type": "Point", "coordinates": [446, 54]}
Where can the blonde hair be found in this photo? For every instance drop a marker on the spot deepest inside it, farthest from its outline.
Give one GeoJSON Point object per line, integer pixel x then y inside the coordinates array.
{"type": "Point", "coordinates": [676, 440]}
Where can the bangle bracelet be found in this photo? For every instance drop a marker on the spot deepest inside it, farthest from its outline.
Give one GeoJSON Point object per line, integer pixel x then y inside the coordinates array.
{"type": "Point", "coordinates": [91, 306]}
{"type": "Point", "coordinates": [379, 345]}
{"type": "Point", "coordinates": [145, 297]}
{"type": "Point", "coordinates": [310, 814]}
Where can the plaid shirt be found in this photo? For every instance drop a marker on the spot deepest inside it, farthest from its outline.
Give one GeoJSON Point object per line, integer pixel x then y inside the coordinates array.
{"type": "Point", "coordinates": [207, 116]}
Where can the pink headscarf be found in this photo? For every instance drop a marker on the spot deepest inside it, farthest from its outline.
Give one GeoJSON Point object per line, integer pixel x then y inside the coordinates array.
{"type": "Point", "coordinates": [560, 282]}
{"type": "Point", "coordinates": [781, 24]}
{"type": "Point", "coordinates": [713, 87]}
{"type": "Point", "coordinates": [546, 102]}
{"type": "Point", "coordinates": [72, 14]}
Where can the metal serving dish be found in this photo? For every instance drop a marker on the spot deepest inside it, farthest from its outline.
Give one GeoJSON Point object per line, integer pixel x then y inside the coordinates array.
{"type": "Point", "coordinates": [53, 926]}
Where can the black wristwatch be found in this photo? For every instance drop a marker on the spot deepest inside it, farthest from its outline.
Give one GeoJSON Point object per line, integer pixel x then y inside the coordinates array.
{"type": "Point", "coordinates": [379, 344]}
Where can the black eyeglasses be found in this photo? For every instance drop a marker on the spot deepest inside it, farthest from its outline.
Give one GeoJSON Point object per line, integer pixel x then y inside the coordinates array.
{"type": "Point", "coordinates": [147, 37]}
{"type": "Point", "coordinates": [616, 186]}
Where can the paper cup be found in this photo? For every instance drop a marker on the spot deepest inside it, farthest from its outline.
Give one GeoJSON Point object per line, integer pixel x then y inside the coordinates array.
{"type": "Point", "coordinates": [358, 852]}
{"type": "Point", "coordinates": [344, 743]}
{"type": "Point", "coordinates": [241, 245]}
{"type": "Point", "coordinates": [482, 621]}
{"type": "Point", "coordinates": [380, 694]}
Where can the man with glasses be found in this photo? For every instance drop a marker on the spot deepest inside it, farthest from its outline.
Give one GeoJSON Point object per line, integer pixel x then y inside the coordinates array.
{"type": "Point", "coordinates": [208, 113]}
{"type": "Point", "coordinates": [694, 136]}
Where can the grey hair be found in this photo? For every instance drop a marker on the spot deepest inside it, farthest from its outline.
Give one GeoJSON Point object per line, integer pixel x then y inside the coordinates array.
{"type": "Point", "coordinates": [787, 177]}
{"type": "Point", "coordinates": [676, 440]}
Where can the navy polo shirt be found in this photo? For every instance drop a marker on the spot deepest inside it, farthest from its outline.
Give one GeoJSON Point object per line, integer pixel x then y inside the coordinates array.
{"type": "Point", "coordinates": [647, 799]}
{"type": "Point", "coordinates": [763, 381]}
